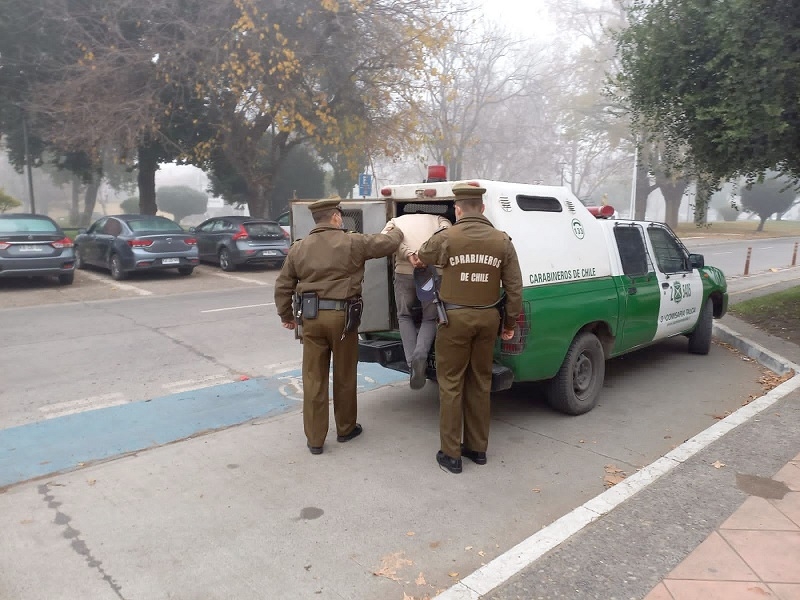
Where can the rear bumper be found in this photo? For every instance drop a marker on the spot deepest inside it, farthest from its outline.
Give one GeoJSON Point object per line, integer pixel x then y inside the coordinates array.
{"type": "Point", "coordinates": [37, 267]}
{"type": "Point", "coordinates": [389, 354]}
{"type": "Point", "coordinates": [257, 256]}
{"type": "Point", "coordinates": [149, 263]}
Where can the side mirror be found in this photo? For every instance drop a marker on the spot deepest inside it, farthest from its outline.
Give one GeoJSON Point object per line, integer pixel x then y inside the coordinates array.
{"type": "Point", "coordinates": [192, 229]}
{"type": "Point", "coordinates": [696, 261]}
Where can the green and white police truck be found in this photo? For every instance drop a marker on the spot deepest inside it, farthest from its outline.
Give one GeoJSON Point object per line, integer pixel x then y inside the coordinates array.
{"type": "Point", "coordinates": [595, 287]}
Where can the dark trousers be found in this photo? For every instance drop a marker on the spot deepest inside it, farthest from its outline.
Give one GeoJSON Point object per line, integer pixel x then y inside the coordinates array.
{"type": "Point", "coordinates": [464, 353]}
{"type": "Point", "coordinates": [321, 340]}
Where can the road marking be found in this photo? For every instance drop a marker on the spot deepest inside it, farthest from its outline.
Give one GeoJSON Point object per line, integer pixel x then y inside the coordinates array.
{"type": "Point", "coordinates": [237, 278]}
{"type": "Point", "coordinates": [755, 287]}
{"type": "Point", "coordinates": [188, 385]}
{"type": "Point", "coordinates": [283, 367]}
{"type": "Point", "coordinates": [72, 407]}
{"type": "Point", "coordinates": [213, 310]}
{"type": "Point", "coordinates": [497, 572]}
{"type": "Point", "coordinates": [117, 284]}
{"type": "Point", "coordinates": [718, 253]}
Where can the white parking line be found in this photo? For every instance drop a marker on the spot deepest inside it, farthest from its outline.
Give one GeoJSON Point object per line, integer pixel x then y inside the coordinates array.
{"type": "Point", "coordinates": [237, 278]}
{"type": "Point", "coordinates": [283, 367]}
{"type": "Point", "coordinates": [116, 284]}
{"type": "Point", "coordinates": [213, 310]}
{"type": "Point", "coordinates": [188, 385]}
{"type": "Point", "coordinates": [71, 407]}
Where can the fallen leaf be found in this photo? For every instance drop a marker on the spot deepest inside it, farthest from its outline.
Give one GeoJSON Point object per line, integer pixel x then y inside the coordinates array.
{"type": "Point", "coordinates": [81, 464]}
{"type": "Point", "coordinates": [420, 580]}
{"type": "Point", "coordinates": [91, 481]}
{"type": "Point", "coordinates": [582, 442]}
{"type": "Point", "coordinates": [613, 476]}
{"type": "Point", "coordinates": [390, 564]}
{"type": "Point", "coordinates": [717, 464]}
{"type": "Point", "coordinates": [307, 567]}
{"type": "Point", "coordinates": [453, 574]}
{"type": "Point", "coordinates": [26, 522]}
{"type": "Point", "coordinates": [536, 490]}
{"type": "Point", "coordinates": [410, 533]}
{"type": "Point", "coordinates": [468, 548]}
{"type": "Point", "coordinates": [481, 553]}
{"type": "Point", "coordinates": [407, 597]}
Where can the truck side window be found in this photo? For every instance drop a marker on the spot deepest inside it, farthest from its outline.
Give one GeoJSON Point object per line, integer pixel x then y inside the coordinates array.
{"type": "Point", "coordinates": [670, 255]}
{"type": "Point", "coordinates": [539, 203]}
{"type": "Point", "coordinates": [632, 251]}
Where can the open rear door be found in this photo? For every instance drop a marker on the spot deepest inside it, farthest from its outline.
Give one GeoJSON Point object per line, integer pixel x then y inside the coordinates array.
{"type": "Point", "coordinates": [363, 216]}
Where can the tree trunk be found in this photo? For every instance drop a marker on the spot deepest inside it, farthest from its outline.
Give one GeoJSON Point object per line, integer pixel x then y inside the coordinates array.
{"type": "Point", "coordinates": [643, 189]}
{"type": "Point", "coordinates": [91, 200]}
{"type": "Point", "coordinates": [701, 200]}
{"type": "Point", "coordinates": [673, 193]}
{"type": "Point", "coordinates": [148, 165]}
{"type": "Point", "coordinates": [761, 221]}
{"type": "Point", "coordinates": [75, 207]}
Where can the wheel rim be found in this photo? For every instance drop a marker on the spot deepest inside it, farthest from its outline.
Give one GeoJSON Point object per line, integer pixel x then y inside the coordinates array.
{"type": "Point", "coordinates": [115, 266]}
{"type": "Point", "coordinates": [78, 259]}
{"type": "Point", "coordinates": [583, 374]}
{"type": "Point", "coordinates": [223, 259]}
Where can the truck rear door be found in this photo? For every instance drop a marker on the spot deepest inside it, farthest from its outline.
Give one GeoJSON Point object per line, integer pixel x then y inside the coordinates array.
{"type": "Point", "coordinates": [363, 216]}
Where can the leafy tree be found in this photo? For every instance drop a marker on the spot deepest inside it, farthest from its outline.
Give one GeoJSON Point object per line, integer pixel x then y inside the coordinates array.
{"type": "Point", "coordinates": [8, 202]}
{"type": "Point", "coordinates": [181, 200]}
{"type": "Point", "coordinates": [717, 82]}
{"type": "Point", "coordinates": [130, 205]}
{"type": "Point", "coordinates": [766, 197]}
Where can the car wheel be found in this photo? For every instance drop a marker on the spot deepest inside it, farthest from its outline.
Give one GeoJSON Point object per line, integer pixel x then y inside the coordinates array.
{"type": "Point", "coordinates": [79, 264]}
{"type": "Point", "coordinates": [225, 262]}
{"type": "Point", "coordinates": [700, 338]}
{"type": "Point", "coordinates": [185, 270]}
{"type": "Point", "coordinates": [66, 278]}
{"type": "Point", "coordinates": [576, 387]}
{"type": "Point", "coordinates": [115, 266]}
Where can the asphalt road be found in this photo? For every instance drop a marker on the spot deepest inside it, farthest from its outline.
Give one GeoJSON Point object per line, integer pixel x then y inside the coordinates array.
{"type": "Point", "coordinates": [731, 256]}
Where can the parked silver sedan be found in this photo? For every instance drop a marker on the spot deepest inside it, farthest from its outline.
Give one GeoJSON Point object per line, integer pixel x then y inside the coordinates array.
{"type": "Point", "coordinates": [34, 245]}
{"type": "Point", "coordinates": [237, 240]}
{"type": "Point", "coordinates": [127, 243]}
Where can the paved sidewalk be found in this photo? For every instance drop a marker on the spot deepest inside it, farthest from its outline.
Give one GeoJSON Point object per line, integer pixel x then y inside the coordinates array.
{"type": "Point", "coordinates": [722, 525]}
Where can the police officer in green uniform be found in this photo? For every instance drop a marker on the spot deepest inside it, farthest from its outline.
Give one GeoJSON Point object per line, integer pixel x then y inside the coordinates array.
{"type": "Point", "coordinates": [326, 269]}
{"type": "Point", "coordinates": [476, 259]}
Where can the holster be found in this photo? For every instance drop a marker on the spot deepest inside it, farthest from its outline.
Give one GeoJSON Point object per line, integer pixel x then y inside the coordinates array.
{"type": "Point", "coordinates": [352, 316]}
{"type": "Point", "coordinates": [310, 305]}
{"type": "Point", "coordinates": [501, 308]}
{"type": "Point", "coordinates": [297, 308]}
{"type": "Point", "coordinates": [440, 309]}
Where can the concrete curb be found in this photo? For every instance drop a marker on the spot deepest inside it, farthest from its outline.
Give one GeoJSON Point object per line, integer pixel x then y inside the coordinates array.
{"type": "Point", "coordinates": [501, 569]}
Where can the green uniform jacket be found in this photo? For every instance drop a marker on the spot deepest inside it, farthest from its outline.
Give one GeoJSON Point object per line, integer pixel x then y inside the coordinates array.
{"type": "Point", "coordinates": [476, 260]}
{"type": "Point", "coordinates": [330, 261]}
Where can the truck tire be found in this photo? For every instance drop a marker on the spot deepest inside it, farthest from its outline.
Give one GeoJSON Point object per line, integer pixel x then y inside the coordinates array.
{"type": "Point", "coordinates": [576, 387]}
{"type": "Point", "coordinates": [700, 338]}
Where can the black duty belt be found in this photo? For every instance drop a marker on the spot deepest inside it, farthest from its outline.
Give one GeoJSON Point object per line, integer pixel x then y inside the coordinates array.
{"type": "Point", "coordinates": [332, 304]}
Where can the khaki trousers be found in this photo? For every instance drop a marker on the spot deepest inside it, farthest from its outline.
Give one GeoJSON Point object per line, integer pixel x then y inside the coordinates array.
{"type": "Point", "coordinates": [464, 352]}
{"type": "Point", "coordinates": [321, 339]}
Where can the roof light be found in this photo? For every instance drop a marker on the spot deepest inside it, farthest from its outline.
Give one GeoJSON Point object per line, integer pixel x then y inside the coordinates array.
{"type": "Point", "coordinates": [474, 183]}
{"type": "Point", "coordinates": [387, 191]}
{"type": "Point", "coordinates": [602, 212]}
{"type": "Point", "coordinates": [430, 193]}
{"type": "Point", "coordinates": [436, 173]}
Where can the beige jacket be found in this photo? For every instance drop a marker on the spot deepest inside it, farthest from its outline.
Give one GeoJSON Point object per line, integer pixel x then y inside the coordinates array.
{"type": "Point", "coordinates": [417, 229]}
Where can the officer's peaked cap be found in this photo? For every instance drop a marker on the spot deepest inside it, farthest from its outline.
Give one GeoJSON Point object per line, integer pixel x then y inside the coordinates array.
{"type": "Point", "coordinates": [325, 204]}
{"type": "Point", "coordinates": [463, 191]}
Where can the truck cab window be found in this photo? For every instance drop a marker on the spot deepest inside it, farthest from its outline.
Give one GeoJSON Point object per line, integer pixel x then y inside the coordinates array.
{"type": "Point", "coordinates": [632, 251]}
{"type": "Point", "coordinates": [670, 255]}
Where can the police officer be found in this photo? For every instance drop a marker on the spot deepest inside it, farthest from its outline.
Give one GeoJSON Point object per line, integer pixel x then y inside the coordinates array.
{"type": "Point", "coordinates": [476, 259]}
{"type": "Point", "coordinates": [330, 263]}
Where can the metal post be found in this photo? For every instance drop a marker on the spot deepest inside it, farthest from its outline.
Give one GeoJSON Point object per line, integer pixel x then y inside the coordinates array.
{"type": "Point", "coordinates": [28, 162]}
{"type": "Point", "coordinates": [747, 262]}
{"type": "Point", "coordinates": [633, 180]}
{"type": "Point", "coordinates": [794, 255]}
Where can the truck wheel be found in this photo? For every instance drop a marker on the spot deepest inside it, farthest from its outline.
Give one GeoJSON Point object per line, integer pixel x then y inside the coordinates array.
{"type": "Point", "coordinates": [576, 387]}
{"type": "Point", "coordinates": [700, 338]}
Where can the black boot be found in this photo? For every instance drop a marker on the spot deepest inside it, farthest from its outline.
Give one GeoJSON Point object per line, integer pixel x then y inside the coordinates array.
{"type": "Point", "coordinates": [479, 458]}
{"type": "Point", "coordinates": [448, 462]}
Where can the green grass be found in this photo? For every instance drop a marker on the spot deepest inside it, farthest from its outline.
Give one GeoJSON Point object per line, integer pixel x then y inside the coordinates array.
{"type": "Point", "coordinates": [771, 228]}
{"type": "Point", "coordinates": [785, 304]}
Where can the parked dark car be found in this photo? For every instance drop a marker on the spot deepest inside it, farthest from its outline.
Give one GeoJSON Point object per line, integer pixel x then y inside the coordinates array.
{"type": "Point", "coordinates": [126, 243]}
{"type": "Point", "coordinates": [236, 240]}
{"type": "Point", "coordinates": [34, 245]}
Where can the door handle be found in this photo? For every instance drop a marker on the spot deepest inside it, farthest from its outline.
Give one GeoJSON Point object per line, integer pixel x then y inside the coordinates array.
{"type": "Point", "coordinates": [665, 285]}
{"type": "Point", "coordinates": [631, 291]}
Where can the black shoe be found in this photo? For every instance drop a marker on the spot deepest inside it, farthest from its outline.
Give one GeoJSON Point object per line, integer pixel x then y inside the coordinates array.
{"type": "Point", "coordinates": [314, 449]}
{"type": "Point", "coordinates": [448, 462]}
{"type": "Point", "coordinates": [479, 458]}
{"type": "Point", "coordinates": [353, 434]}
{"type": "Point", "coordinates": [418, 378]}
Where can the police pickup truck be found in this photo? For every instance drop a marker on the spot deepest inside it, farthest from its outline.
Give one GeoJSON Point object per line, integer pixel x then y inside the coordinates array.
{"type": "Point", "coordinates": [595, 287]}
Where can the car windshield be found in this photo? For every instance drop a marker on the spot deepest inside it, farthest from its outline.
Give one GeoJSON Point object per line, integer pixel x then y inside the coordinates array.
{"type": "Point", "coordinates": [27, 225]}
{"type": "Point", "coordinates": [153, 224]}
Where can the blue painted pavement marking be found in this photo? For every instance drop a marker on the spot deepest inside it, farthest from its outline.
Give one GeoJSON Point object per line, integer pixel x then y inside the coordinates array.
{"type": "Point", "coordinates": [63, 443]}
